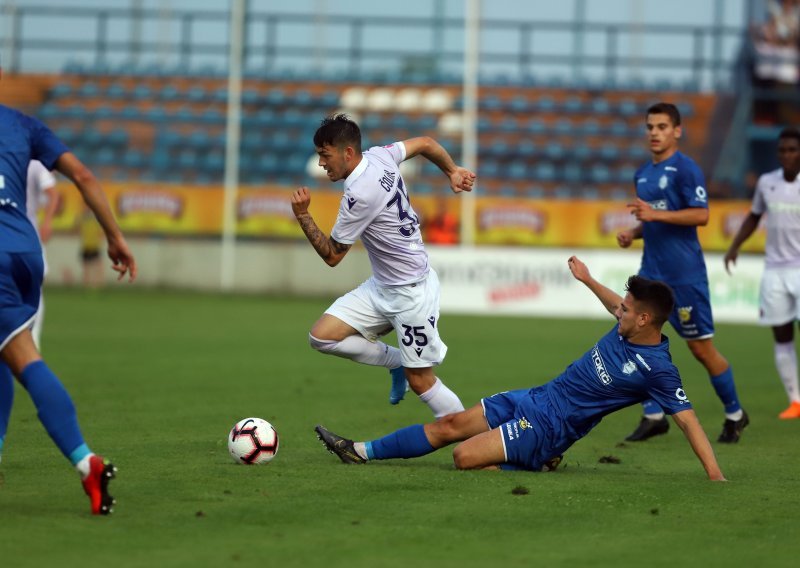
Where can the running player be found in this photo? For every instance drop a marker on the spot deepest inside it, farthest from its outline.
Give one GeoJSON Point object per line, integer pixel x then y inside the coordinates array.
{"type": "Point", "coordinates": [531, 428]}
{"type": "Point", "coordinates": [671, 202]}
{"type": "Point", "coordinates": [403, 291]}
{"type": "Point", "coordinates": [21, 272]}
{"type": "Point", "coordinates": [778, 195]}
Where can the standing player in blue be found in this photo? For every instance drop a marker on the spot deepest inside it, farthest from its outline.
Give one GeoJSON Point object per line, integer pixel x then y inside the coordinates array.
{"type": "Point", "coordinates": [530, 428]}
{"type": "Point", "coordinates": [671, 202]}
{"type": "Point", "coordinates": [23, 139]}
{"type": "Point", "coordinates": [403, 291]}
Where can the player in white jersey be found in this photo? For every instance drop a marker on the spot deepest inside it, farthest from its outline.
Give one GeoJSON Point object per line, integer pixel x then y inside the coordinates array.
{"type": "Point", "coordinates": [42, 196]}
{"type": "Point", "coordinates": [778, 195]}
{"type": "Point", "coordinates": [403, 291]}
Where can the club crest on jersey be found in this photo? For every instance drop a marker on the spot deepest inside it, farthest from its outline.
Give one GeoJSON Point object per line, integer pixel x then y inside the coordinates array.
{"type": "Point", "coordinates": [524, 424]}
{"type": "Point", "coordinates": [685, 314]}
{"type": "Point", "coordinates": [663, 182]}
{"type": "Point", "coordinates": [350, 202]}
{"type": "Point", "coordinates": [629, 367]}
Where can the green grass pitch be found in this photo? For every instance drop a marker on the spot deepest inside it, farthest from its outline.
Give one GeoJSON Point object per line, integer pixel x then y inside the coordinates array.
{"type": "Point", "coordinates": [160, 377]}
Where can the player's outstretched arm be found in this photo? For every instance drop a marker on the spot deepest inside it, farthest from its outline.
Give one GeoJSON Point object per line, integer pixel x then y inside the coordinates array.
{"type": "Point", "coordinates": [94, 196]}
{"type": "Point", "coordinates": [687, 421]}
{"type": "Point", "coordinates": [610, 299]}
{"type": "Point", "coordinates": [331, 251]}
{"type": "Point", "coordinates": [749, 225]}
{"type": "Point", "coordinates": [461, 179]}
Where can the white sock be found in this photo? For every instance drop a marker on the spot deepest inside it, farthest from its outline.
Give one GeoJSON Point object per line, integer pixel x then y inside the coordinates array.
{"type": "Point", "coordinates": [735, 416]}
{"type": "Point", "coordinates": [786, 363]}
{"type": "Point", "coordinates": [441, 400]}
{"type": "Point", "coordinates": [358, 349]}
{"type": "Point", "coordinates": [83, 467]}
{"type": "Point", "coordinates": [654, 416]}
{"type": "Point", "coordinates": [361, 449]}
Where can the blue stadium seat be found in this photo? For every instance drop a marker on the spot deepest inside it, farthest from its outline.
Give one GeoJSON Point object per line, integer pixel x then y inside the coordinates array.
{"type": "Point", "coordinates": [169, 93]}
{"type": "Point", "coordinates": [563, 127]}
{"type": "Point", "coordinates": [591, 127]}
{"type": "Point", "coordinates": [599, 173]}
{"type": "Point", "coordinates": [609, 152]}
{"type": "Point", "coordinates": [537, 127]}
{"type": "Point", "coordinates": [48, 112]}
{"type": "Point", "coordinates": [544, 171]}
{"type": "Point", "coordinates": [116, 91]}
{"type": "Point", "coordinates": [545, 104]}
{"type": "Point", "coordinates": [196, 94]}
{"type": "Point", "coordinates": [517, 170]}
{"type": "Point", "coordinates": [130, 113]}
{"type": "Point", "coordinates": [629, 107]}
{"type": "Point", "coordinates": [250, 97]}
{"type": "Point", "coordinates": [525, 149]}
{"type": "Point", "coordinates": [555, 151]}
{"type": "Point", "coordinates": [302, 98]}
{"type": "Point", "coordinates": [619, 129]}
{"type": "Point", "coordinates": [488, 169]}
{"type": "Point", "coordinates": [581, 152]}
{"type": "Point", "coordinates": [66, 134]}
{"type": "Point", "coordinates": [508, 124]}
{"type": "Point", "coordinates": [275, 98]}
{"type": "Point", "coordinates": [132, 159]}
{"type": "Point", "coordinates": [60, 91]}
{"type": "Point", "coordinates": [573, 105]}
{"type": "Point", "coordinates": [118, 138]}
{"type": "Point", "coordinates": [199, 140]}
{"type": "Point", "coordinates": [214, 162]}
{"type": "Point", "coordinates": [637, 153]}
{"type": "Point", "coordinates": [518, 104]}
{"type": "Point", "coordinates": [212, 116]}
{"type": "Point", "coordinates": [220, 96]}
{"type": "Point", "coordinates": [625, 173]}
{"type": "Point", "coordinates": [103, 112]}
{"type": "Point", "coordinates": [600, 106]}
{"type": "Point", "coordinates": [156, 114]}
{"type": "Point", "coordinates": [105, 157]}
{"type": "Point", "coordinates": [572, 172]}
{"type": "Point", "coordinates": [490, 103]}
{"type": "Point", "coordinates": [187, 159]}
{"type": "Point", "coordinates": [142, 93]}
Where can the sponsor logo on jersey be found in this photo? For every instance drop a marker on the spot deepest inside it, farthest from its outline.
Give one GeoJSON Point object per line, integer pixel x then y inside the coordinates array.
{"type": "Point", "coordinates": [660, 204]}
{"type": "Point", "coordinates": [685, 314]}
{"type": "Point", "coordinates": [2, 182]}
{"type": "Point", "coordinates": [681, 396]}
{"type": "Point", "coordinates": [643, 362]}
{"type": "Point", "coordinates": [600, 367]}
{"type": "Point", "coordinates": [663, 182]}
{"type": "Point", "coordinates": [629, 367]}
{"type": "Point", "coordinates": [700, 194]}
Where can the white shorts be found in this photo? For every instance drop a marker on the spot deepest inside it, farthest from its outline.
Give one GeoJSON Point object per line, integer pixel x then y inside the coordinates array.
{"type": "Point", "coordinates": [779, 298]}
{"type": "Point", "coordinates": [411, 310]}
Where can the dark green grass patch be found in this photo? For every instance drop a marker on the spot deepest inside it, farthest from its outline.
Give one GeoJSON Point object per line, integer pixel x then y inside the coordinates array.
{"type": "Point", "coordinates": [160, 377]}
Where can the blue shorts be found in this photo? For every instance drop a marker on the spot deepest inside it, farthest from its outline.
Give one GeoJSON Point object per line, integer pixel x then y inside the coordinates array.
{"type": "Point", "coordinates": [530, 427]}
{"type": "Point", "coordinates": [692, 317]}
{"type": "Point", "coordinates": [20, 290]}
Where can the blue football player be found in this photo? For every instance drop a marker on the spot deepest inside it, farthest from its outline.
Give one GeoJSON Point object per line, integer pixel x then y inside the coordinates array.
{"type": "Point", "coordinates": [671, 202]}
{"type": "Point", "coordinates": [23, 139]}
{"type": "Point", "coordinates": [531, 428]}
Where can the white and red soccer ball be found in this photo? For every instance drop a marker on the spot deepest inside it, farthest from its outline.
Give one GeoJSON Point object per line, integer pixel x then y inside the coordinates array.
{"type": "Point", "coordinates": [253, 441]}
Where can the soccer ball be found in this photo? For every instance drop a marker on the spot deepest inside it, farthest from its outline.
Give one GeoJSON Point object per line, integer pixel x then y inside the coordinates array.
{"type": "Point", "coordinates": [253, 441]}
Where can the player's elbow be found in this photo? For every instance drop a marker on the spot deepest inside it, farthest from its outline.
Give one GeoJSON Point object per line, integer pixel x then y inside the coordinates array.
{"type": "Point", "coordinates": [702, 218]}
{"type": "Point", "coordinates": [332, 260]}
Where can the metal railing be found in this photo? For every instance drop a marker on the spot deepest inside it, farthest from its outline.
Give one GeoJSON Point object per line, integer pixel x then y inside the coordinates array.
{"type": "Point", "coordinates": [115, 39]}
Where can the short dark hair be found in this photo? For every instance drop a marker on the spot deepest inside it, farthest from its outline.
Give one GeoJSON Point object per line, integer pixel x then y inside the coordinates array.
{"type": "Point", "coordinates": [654, 294]}
{"type": "Point", "coordinates": [666, 108]}
{"type": "Point", "coordinates": [790, 132]}
{"type": "Point", "coordinates": [338, 130]}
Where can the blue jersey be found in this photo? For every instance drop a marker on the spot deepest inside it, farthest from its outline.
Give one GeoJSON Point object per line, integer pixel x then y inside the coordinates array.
{"type": "Point", "coordinates": [672, 253]}
{"type": "Point", "coordinates": [22, 139]}
{"type": "Point", "coordinates": [612, 375]}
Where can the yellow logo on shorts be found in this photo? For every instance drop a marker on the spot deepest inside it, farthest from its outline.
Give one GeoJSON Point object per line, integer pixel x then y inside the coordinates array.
{"type": "Point", "coordinates": [523, 423]}
{"type": "Point", "coordinates": [685, 314]}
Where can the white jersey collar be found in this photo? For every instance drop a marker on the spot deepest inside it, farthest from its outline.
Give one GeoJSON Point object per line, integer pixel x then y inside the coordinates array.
{"type": "Point", "coordinates": [362, 165]}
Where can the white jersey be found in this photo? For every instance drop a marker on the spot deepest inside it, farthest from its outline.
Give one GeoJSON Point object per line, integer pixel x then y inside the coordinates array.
{"type": "Point", "coordinates": [40, 179]}
{"type": "Point", "coordinates": [376, 207]}
{"type": "Point", "coordinates": [780, 200]}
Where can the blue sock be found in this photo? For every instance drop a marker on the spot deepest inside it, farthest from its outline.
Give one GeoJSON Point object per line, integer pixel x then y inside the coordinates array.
{"type": "Point", "coordinates": [55, 409]}
{"type": "Point", "coordinates": [6, 399]}
{"type": "Point", "coordinates": [650, 406]}
{"type": "Point", "coordinates": [726, 390]}
{"type": "Point", "coordinates": [409, 442]}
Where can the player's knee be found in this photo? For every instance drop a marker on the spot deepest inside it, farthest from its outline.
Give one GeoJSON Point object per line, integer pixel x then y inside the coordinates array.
{"type": "Point", "coordinates": [446, 429]}
{"type": "Point", "coordinates": [463, 458]}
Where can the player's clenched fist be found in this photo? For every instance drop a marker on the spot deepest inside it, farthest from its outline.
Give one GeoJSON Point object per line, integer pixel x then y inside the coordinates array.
{"type": "Point", "coordinates": [462, 180]}
{"type": "Point", "coordinates": [301, 199]}
{"type": "Point", "coordinates": [625, 239]}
